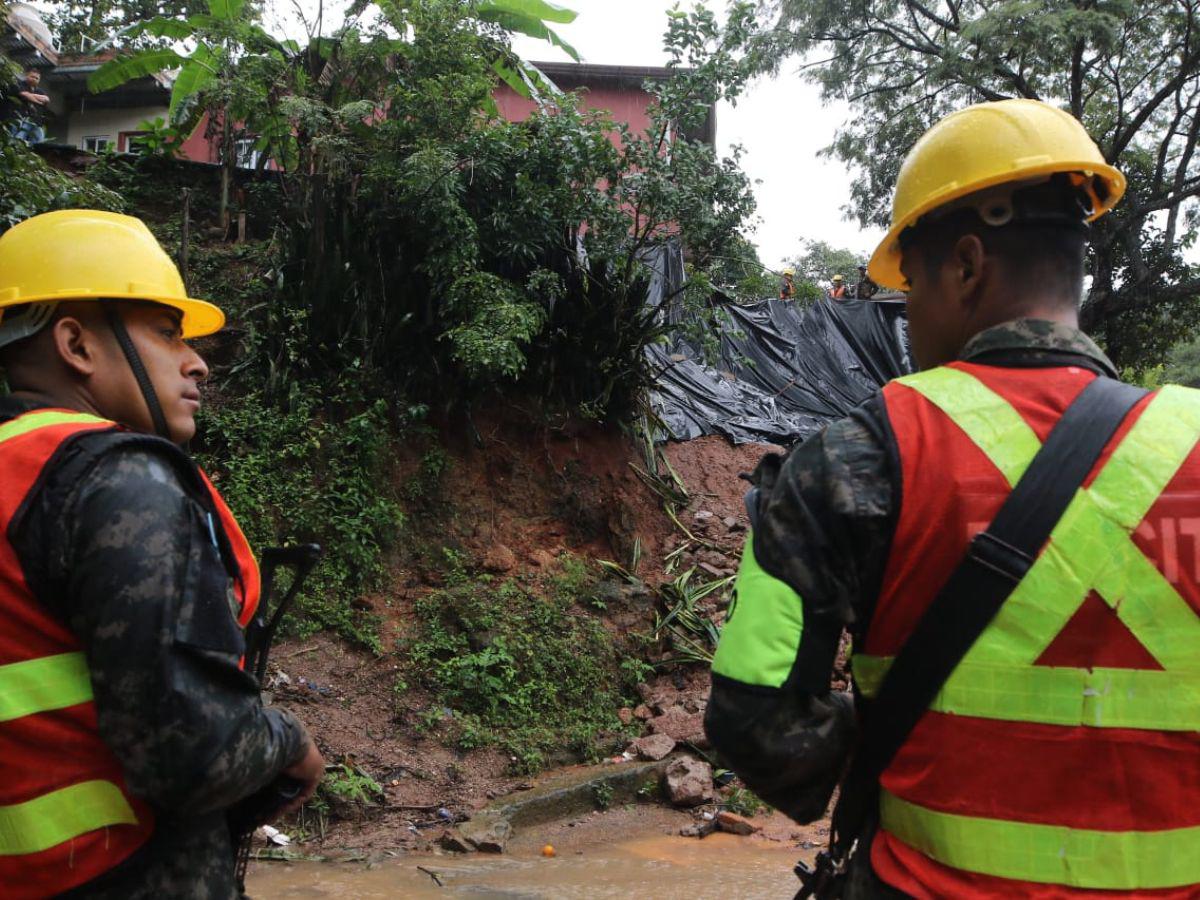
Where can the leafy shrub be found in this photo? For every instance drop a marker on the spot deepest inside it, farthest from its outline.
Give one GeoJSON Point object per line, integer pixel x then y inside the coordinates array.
{"type": "Point", "coordinates": [29, 186]}
{"type": "Point", "coordinates": [526, 673]}
{"type": "Point", "coordinates": [314, 472]}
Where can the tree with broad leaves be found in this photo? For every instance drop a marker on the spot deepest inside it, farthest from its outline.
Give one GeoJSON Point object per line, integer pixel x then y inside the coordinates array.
{"type": "Point", "coordinates": [1130, 72]}
{"type": "Point", "coordinates": [819, 261]}
{"type": "Point", "coordinates": [79, 25]}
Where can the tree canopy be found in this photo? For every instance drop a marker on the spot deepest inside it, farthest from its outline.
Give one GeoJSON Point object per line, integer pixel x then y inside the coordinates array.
{"type": "Point", "coordinates": [1130, 72]}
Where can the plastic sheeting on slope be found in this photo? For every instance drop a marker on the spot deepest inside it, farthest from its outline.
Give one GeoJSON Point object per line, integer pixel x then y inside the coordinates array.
{"type": "Point", "coordinates": [785, 370]}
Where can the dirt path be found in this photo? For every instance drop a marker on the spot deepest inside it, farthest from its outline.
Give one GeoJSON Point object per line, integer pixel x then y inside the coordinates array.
{"type": "Point", "coordinates": [626, 852]}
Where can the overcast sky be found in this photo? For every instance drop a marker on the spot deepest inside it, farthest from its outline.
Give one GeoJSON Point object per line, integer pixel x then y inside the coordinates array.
{"type": "Point", "coordinates": [780, 122]}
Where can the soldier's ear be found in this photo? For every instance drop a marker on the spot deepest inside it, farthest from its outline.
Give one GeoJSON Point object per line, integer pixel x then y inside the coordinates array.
{"type": "Point", "coordinates": [967, 269]}
{"type": "Point", "coordinates": [76, 345]}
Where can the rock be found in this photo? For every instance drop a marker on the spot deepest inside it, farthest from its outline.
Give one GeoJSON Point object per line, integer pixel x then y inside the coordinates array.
{"type": "Point", "coordinates": [625, 715]}
{"type": "Point", "coordinates": [645, 692]}
{"type": "Point", "coordinates": [732, 524]}
{"type": "Point", "coordinates": [712, 570]}
{"type": "Point", "coordinates": [698, 829]}
{"type": "Point", "coordinates": [702, 515]}
{"type": "Point", "coordinates": [486, 832]}
{"type": "Point", "coordinates": [499, 559]}
{"type": "Point", "coordinates": [735, 824]}
{"type": "Point", "coordinates": [643, 712]}
{"type": "Point", "coordinates": [653, 746]}
{"type": "Point", "coordinates": [451, 840]}
{"type": "Point", "coordinates": [542, 558]}
{"type": "Point", "coordinates": [677, 723]}
{"type": "Point", "coordinates": [688, 782]}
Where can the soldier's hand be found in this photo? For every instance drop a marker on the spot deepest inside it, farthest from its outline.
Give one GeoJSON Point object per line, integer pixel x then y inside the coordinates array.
{"type": "Point", "coordinates": [308, 770]}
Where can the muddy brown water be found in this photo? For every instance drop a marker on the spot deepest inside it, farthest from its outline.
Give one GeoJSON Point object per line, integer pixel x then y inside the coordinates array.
{"type": "Point", "coordinates": [719, 867]}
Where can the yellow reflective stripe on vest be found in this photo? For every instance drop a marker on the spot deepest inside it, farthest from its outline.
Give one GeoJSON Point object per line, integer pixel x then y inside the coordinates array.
{"type": "Point", "coordinates": [987, 418]}
{"type": "Point", "coordinates": [761, 634]}
{"type": "Point", "coordinates": [1090, 549]}
{"type": "Point", "coordinates": [43, 684]}
{"type": "Point", "coordinates": [868, 672]}
{"type": "Point", "coordinates": [1099, 698]}
{"type": "Point", "coordinates": [1047, 854]}
{"type": "Point", "coordinates": [34, 420]}
{"type": "Point", "coordinates": [52, 819]}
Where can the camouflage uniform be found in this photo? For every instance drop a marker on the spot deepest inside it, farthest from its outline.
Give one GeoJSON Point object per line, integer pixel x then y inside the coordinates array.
{"type": "Point", "coordinates": [115, 543]}
{"type": "Point", "coordinates": [825, 520]}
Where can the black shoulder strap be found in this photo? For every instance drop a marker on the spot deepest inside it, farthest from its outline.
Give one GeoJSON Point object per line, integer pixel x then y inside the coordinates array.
{"type": "Point", "coordinates": [995, 563]}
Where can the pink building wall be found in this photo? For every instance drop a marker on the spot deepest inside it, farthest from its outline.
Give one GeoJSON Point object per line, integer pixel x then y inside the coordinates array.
{"type": "Point", "coordinates": [628, 105]}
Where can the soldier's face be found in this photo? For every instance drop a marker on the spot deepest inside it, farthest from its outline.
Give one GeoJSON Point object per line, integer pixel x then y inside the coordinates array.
{"type": "Point", "coordinates": [174, 368]}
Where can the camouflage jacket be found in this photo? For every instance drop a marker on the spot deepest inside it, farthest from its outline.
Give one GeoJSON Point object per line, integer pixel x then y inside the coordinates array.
{"type": "Point", "coordinates": [116, 547]}
{"type": "Point", "coordinates": [825, 519]}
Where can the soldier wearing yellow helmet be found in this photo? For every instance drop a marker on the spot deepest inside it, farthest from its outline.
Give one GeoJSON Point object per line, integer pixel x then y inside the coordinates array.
{"type": "Point", "coordinates": [1004, 535]}
{"type": "Point", "coordinates": [127, 725]}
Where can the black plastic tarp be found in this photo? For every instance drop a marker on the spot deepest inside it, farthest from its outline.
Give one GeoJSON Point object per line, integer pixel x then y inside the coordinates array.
{"type": "Point", "coordinates": [784, 370]}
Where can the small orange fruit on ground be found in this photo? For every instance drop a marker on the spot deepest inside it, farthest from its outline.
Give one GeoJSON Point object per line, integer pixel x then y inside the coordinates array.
{"type": "Point", "coordinates": [548, 851]}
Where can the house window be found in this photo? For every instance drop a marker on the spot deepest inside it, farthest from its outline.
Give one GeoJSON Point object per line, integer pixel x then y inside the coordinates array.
{"type": "Point", "coordinates": [97, 143]}
{"type": "Point", "coordinates": [247, 156]}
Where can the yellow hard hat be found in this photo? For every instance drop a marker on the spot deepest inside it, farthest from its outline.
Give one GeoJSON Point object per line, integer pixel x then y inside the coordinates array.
{"type": "Point", "coordinates": [789, 271]}
{"type": "Point", "coordinates": [983, 146]}
{"type": "Point", "coordinates": [837, 278]}
{"type": "Point", "coordinates": [86, 254]}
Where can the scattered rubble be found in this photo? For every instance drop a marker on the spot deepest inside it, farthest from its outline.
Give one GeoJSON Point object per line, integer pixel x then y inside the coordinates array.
{"type": "Point", "coordinates": [499, 559]}
{"type": "Point", "coordinates": [680, 725]}
{"type": "Point", "coordinates": [735, 824]}
{"type": "Point", "coordinates": [653, 746]}
{"type": "Point", "coordinates": [688, 782]}
{"type": "Point", "coordinates": [486, 832]}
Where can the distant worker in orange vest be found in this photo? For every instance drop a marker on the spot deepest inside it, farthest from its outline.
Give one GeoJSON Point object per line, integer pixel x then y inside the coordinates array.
{"type": "Point", "coordinates": [838, 289]}
{"type": "Point", "coordinates": [1010, 536]}
{"type": "Point", "coordinates": [127, 725]}
{"type": "Point", "coordinates": [787, 290]}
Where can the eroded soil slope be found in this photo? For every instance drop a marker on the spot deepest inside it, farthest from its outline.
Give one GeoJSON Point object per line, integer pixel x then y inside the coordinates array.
{"type": "Point", "coordinates": [519, 502]}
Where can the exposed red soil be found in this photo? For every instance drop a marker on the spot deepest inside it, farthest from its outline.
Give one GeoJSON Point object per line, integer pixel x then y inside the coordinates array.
{"type": "Point", "coordinates": [514, 504]}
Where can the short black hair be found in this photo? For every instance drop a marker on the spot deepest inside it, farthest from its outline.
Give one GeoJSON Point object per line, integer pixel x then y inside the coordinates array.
{"type": "Point", "coordinates": [1046, 247]}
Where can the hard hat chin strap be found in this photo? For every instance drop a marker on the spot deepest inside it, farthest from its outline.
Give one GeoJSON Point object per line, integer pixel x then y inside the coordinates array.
{"type": "Point", "coordinates": [139, 369]}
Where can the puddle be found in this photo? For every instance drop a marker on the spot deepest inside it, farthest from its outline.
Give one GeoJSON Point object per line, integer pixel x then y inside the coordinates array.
{"type": "Point", "coordinates": [719, 867]}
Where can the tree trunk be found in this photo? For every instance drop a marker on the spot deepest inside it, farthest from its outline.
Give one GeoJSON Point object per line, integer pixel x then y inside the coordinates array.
{"type": "Point", "coordinates": [227, 163]}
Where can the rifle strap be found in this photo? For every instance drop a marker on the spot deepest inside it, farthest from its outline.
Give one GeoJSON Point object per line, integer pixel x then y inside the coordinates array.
{"type": "Point", "coordinates": [994, 565]}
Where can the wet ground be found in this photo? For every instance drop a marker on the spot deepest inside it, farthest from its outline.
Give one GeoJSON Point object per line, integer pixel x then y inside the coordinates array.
{"type": "Point", "coordinates": [659, 866]}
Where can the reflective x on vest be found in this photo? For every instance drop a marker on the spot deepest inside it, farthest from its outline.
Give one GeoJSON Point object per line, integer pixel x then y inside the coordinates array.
{"type": "Point", "coordinates": [1090, 550]}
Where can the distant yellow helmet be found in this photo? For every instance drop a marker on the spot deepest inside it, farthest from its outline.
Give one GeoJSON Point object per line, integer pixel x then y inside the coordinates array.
{"type": "Point", "coordinates": [789, 271]}
{"type": "Point", "coordinates": [838, 278]}
{"type": "Point", "coordinates": [86, 254]}
{"type": "Point", "coordinates": [983, 146]}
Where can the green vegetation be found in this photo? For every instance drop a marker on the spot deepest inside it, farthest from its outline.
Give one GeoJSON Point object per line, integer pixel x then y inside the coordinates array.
{"type": "Point", "coordinates": [743, 801]}
{"type": "Point", "coordinates": [346, 792]}
{"type": "Point", "coordinates": [602, 795]}
{"type": "Point", "coordinates": [313, 472]}
{"type": "Point", "coordinates": [817, 263]}
{"type": "Point", "coordinates": [527, 673]}
{"type": "Point", "coordinates": [31, 186]}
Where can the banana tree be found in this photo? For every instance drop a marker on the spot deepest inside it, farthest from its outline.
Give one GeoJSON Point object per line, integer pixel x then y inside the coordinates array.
{"type": "Point", "coordinates": [530, 18]}
{"type": "Point", "coordinates": [220, 38]}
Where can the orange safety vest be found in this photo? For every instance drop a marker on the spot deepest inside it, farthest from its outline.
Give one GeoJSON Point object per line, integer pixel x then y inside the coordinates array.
{"type": "Point", "coordinates": [66, 815]}
{"type": "Point", "coordinates": [1062, 756]}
